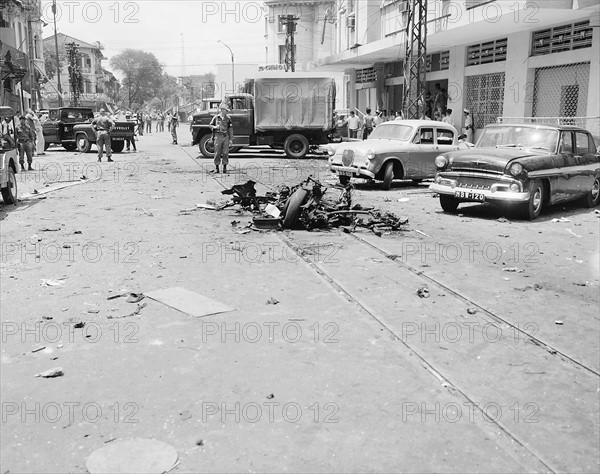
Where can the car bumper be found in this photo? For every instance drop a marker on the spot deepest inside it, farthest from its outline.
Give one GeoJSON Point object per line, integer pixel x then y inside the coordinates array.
{"type": "Point", "coordinates": [498, 191]}
{"type": "Point", "coordinates": [351, 171]}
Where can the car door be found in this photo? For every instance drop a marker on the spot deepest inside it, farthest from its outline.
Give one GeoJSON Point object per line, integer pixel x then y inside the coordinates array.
{"type": "Point", "coordinates": [50, 127]}
{"type": "Point", "coordinates": [587, 161]}
{"type": "Point", "coordinates": [421, 157]}
{"type": "Point", "coordinates": [566, 167]}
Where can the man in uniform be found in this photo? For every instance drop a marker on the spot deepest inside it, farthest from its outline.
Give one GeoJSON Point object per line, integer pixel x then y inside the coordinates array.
{"type": "Point", "coordinates": [223, 129]}
{"type": "Point", "coordinates": [102, 125]}
{"type": "Point", "coordinates": [25, 141]}
{"type": "Point", "coordinates": [173, 124]}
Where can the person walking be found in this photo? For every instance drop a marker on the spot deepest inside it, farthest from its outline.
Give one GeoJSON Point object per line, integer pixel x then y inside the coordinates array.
{"type": "Point", "coordinates": [103, 125]}
{"type": "Point", "coordinates": [148, 120]}
{"type": "Point", "coordinates": [130, 141]}
{"type": "Point", "coordinates": [448, 117]}
{"type": "Point", "coordinates": [468, 127]}
{"type": "Point", "coordinates": [353, 123]}
{"type": "Point", "coordinates": [223, 129]}
{"type": "Point", "coordinates": [161, 122]}
{"type": "Point", "coordinates": [140, 123]}
{"type": "Point", "coordinates": [25, 139]}
{"type": "Point", "coordinates": [173, 124]}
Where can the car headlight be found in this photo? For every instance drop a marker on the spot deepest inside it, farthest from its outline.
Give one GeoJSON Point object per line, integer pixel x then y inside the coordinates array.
{"type": "Point", "coordinates": [441, 161]}
{"type": "Point", "coordinates": [370, 155]}
{"type": "Point", "coordinates": [516, 169]}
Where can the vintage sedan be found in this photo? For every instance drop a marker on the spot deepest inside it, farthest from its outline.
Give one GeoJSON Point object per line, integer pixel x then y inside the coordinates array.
{"type": "Point", "coordinates": [524, 166]}
{"type": "Point", "coordinates": [398, 149]}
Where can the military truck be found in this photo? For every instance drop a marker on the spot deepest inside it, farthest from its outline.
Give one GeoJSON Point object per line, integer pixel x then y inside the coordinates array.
{"type": "Point", "coordinates": [71, 127]}
{"type": "Point", "coordinates": [293, 113]}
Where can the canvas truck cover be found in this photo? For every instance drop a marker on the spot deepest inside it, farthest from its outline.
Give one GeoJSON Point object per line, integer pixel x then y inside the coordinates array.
{"type": "Point", "coordinates": [294, 103]}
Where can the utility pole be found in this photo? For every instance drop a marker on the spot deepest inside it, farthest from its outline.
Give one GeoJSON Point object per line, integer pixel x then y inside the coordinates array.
{"type": "Point", "coordinates": [32, 75]}
{"type": "Point", "coordinates": [60, 98]}
{"type": "Point", "coordinates": [415, 60]}
{"type": "Point", "coordinates": [75, 77]}
{"type": "Point", "coordinates": [290, 54]}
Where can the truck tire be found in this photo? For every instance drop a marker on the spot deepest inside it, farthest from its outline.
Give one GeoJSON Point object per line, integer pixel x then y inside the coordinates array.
{"type": "Point", "coordinates": [83, 143]}
{"type": "Point", "coordinates": [117, 146]}
{"type": "Point", "coordinates": [9, 193]}
{"type": "Point", "coordinates": [206, 146]}
{"type": "Point", "coordinates": [292, 211]}
{"type": "Point", "coordinates": [296, 146]}
{"type": "Point", "coordinates": [69, 146]}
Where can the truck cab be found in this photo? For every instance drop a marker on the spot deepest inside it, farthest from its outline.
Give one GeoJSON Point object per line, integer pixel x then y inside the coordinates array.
{"type": "Point", "coordinates": [59, 128]}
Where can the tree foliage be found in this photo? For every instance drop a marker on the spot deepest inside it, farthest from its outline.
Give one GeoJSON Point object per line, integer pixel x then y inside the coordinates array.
{"type": "Point", "coordinates": [143, 75]}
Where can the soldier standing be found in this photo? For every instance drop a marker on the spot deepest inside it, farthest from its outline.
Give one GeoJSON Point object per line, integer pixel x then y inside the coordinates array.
{"type": "Point", "coordinates": [102, 125]}
{"type": "Point", "coordinates": [468, 128]}
{"type": "Point", "coordinates": [25, 141]}
{"type": "Point", "coordinates": [223, 129]}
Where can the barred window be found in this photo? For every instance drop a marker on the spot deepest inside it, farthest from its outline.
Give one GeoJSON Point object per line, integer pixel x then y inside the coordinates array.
{"type": "Point", "coordinates": [561, 91]}
{"type": "Point", "coordinates": [562, 38]}
{"type": "Point", "coordinates": [485, 98]}
{"type": "Point", "coordinates": [438, 61]}
{"type": "Point", "coordinates": [489, 52]}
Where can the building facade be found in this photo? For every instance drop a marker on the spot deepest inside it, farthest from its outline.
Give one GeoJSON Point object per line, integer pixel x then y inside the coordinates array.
{"type": "Point", "coordinates": [21, 53]}
{"type": "Point", "coordinates": [100, 87]}
{"type": "Point", "coordinates": [512, 59]}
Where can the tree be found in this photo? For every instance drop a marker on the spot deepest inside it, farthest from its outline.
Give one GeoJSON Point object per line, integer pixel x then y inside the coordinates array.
{"type": "Point", "coordinates": [143, 75]}
{"type": "Point", "coordinates": [50, 62]}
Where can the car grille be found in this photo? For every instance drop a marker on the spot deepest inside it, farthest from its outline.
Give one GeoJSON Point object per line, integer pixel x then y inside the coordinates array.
{"type": "Point", "coordinates": [347, 157]}
{"type": "Point", "coordinates": [474, 183]}
{"type": "Point", "coordinates": [477, 170]}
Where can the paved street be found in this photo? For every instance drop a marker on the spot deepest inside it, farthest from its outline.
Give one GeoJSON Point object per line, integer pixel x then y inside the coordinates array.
{"type": "Point", "coordinates": [330, 361]}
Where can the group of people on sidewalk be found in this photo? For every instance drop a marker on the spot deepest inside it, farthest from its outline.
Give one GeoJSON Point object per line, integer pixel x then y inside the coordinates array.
{"type": "Point", "coordinates": [29, 136]}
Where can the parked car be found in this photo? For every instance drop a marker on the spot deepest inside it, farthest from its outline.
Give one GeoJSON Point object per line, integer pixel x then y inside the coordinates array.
{"type": "Point", "coordinates": [72, 128]}
{"type": "Point", "coordinates": [526, 166]}
{"type": "Point", "coordinates": [398, 149]}
{"type": "Point", "coordinates": [8, 156]}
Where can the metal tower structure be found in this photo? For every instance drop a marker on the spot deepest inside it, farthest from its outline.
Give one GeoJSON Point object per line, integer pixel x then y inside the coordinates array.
{"type": "Point", "coordinates": [415, 60]}
{"type": "Point", "coordinates": [290, 54]}
{"type": "Point", "coordinates": [75, 76]}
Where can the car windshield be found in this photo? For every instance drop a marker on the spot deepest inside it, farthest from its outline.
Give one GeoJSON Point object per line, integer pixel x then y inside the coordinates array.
{"type": "Point", "coordinates": [392, 132]}
{"type": "Point", "coordinates": [513, 136]}
{"type": "Point", "coordinates": [76, 115]}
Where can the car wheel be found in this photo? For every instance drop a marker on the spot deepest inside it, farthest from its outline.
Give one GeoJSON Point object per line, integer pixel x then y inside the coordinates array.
{"type": "Point", "coordinates": [292, 211]}
{"type": "Point", "coordinates": [206, 146]}
{"type": "Point", "coordinates": [592, 199]}
{"type": "Point", "coordinates": [388, 175]}
{"type": "Point", "coordinates": [449, 203]}
{"type": "Point", "coordinates": [9, 193]}
{"type": "Point", "coordinates": [344, 180]}
{"type": "Point", "coordinates": [117, 147]}
{"type": "Point", "coordinates": [70, 146]}
{"type": "Point", "coordinates": [83, 144]}
{"type": "Point", "coordinates": [296, 146]}
{"type": "Point", "coordinates": [533, 207]}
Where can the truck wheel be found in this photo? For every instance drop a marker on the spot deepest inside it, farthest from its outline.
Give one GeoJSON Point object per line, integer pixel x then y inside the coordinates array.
{"type": "Point", "coordinates": [292, 211]}
{"type": "Point", "coordinates": [83, 143]}
{"type": "Point", "coordinates": [344, 180]}
{"type": "Point", "coordinates": [388, 175]}
{"type": "Point", "coordinates": [296, 146]}
{"type": "Point", "coordinates": [206, 146]}
{"type": "Point", "coordinates": [9, 193]}
{"type": "Point", "coordinates": [117, 147]}
{"type": "Point", "coordinates": [70, 146]}
{"type": "Point", "coordinates": [448, 203]}
{"type": "Point", "coordinates": [533, 207]}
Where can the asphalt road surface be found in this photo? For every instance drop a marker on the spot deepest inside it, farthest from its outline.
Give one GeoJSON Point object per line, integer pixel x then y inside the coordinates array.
{"type": "Point", "coordinates": [330, 361]}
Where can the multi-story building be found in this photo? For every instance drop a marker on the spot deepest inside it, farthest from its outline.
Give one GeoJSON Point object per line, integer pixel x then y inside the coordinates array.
{"type": "Point", "coordinates": [21, 53]}
{"type": "Point", "coordinates": [100, 87]}
{"type": "Point", "coordinates": [509, 58]}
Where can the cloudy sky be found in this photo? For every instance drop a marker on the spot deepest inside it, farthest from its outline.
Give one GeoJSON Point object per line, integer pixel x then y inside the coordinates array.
{"type": "Point", "coordinates": [158, 26]}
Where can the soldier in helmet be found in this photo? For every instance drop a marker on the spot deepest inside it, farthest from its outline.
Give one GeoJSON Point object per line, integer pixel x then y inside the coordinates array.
{"type": "Point", "coordinates": [223, 128]}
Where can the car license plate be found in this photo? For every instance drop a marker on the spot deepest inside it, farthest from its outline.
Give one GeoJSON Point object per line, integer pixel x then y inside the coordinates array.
{"type": "Point", "coordinates": [345, 173]}
{"type": "Point", "coordinates": [469, 196]}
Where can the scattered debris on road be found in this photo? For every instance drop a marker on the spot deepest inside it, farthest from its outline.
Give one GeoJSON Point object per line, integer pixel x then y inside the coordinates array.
{"type": "Point", "coordinates": [558, 322]}
{"type": "Point", "coordinates": [562, 219]}
{"type": "Point", "coordinates": [188, 302]}
{"type": "Point", "coordinates": [134, 313]}
{"type": "Point", "coordinates": [135, 297]}
{"type": "Point", "coordinates": [51, 373]}
{"type": "Point", "coordinates": [513, 270]}
{"type": "Point", "coordinates": [49, 282]}
{"type": "Point", "coordinates": [423, 292]}
{"type": "Point", "coordinates": [573, 233]}
{"type": "Point", "coordinates": [272, 301]}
